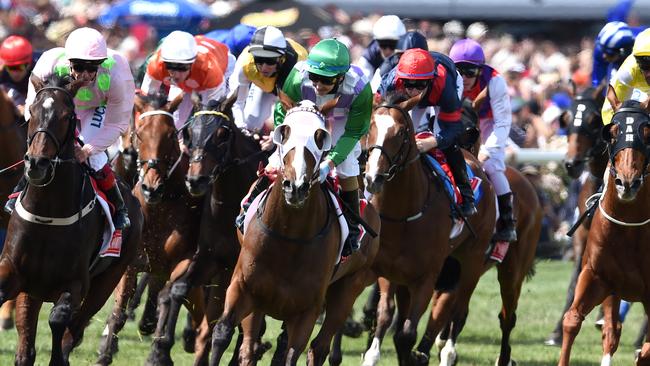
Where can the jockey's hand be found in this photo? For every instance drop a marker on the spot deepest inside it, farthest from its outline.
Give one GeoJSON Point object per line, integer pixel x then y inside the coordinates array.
{"type": "Point", "coordinates": [426, 144]}
{"type": "Point", "coordinates": [324, 169]}
{"type": "Point", "coordinates": [266, 143]}
{"type": "Point", "coordinates": [81, 153]}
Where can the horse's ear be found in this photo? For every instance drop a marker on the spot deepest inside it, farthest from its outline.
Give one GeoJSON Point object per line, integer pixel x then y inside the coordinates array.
{"type": "Point", "coordinates": [75, 85]}
{"type": "Point", "coordinates": [608, 132]}
{"type": "Point", "coordinates": [323, 139]}
{"type": "Point", "coordinates": [327, 107]}
{"type": "Point", "coordinates": [230, 101]}
{"type": "Point", "coordinates": [287, 103]}
{"type": "Point", "coordinates": [173, 105]}
{"type": "Point", "coordinates": [139, 103]}
{"type": "Point", "coordinates": [37, 82]}
{"type": "Point", "coordinates": [281, 134]}
{"type": "Point", "coordinates": [407, 105]}
{"type": "Point", "coordinates": [480, 99]}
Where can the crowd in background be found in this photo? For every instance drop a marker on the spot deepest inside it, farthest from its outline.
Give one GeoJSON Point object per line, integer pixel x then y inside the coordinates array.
{"type": "Point", "coordinates": [537, 70]}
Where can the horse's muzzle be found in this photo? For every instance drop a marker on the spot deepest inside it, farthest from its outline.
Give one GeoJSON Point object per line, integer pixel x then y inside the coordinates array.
{"type": "Point", "coordinates": [38, 170]}
{"type": "Point", "coordinates": [197, 185]}
{"type": "Point", "coordinates": [152, 195]}
{"type": "Point", "coordinates": [295, 195]}
{"type": "Point", "coordinates": [627, 189]}
{"type": "Point", "coordinates": [374, 184]}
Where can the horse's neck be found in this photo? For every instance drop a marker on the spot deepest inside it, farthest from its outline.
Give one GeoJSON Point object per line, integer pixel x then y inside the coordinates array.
{"type": "Point", "coordinates": [406, 192]}
{"type": "Point", "coordinates": [12, 137]}
{"type": "Point", "coordinates": [234, 183]}
{"type": "Point", "coordinates": [295, 222]}
{"type": "Point", "coordinates": [62, 196]}
{"type": "Point", "coordinates": [635, 210]}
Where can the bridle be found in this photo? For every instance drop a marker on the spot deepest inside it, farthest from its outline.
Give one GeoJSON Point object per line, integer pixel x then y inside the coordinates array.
{"type": "Point", "coordinates": [590, 130]}
{"type": "Point", "coordinates": [143, 166]}
{"type": "Point", "coordinates": [72, 119]}
{"type": "Point", "coordinates": [398, 162]}
{"type": "Point", "coordinates": [623, 143]}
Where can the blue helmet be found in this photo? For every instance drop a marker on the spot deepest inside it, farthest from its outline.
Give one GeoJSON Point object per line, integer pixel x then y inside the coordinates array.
{"type": "Point", "coordinates": [412, 39]}
{"type": "Point", "coordinates": [616, 38]}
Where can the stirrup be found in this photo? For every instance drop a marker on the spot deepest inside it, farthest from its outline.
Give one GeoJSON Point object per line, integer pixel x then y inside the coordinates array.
{"type": "Point", "coordinates": [10, 206]}
{"type": "Point", "coordinates": [468, 209]}
{"type": "Point", "coordinates": [121, 220]}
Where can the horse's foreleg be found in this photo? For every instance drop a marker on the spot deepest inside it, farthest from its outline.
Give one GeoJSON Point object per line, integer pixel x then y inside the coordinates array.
{"type": "Point", "coordinates": [251, 328]}
{"type": "Point", "coordinates": [6, 315]}
{"type": "Point", "coordinates": [27, 309]}
{"type": "Point", "coordinates": [238, 305]}
{"type": "Point", "coordinates": [149, 318]}
{"type": "Point", "coordinates": [611, 328]}
{"type": "Point", "coordinates": [589, 293]}
{"type": "Point", "coordinates": [117, 318]}
{"type": "Point", "coordinates": [59, 321]}
{"type": "Point", "coordinates": [196, 312]}
{"type": "Point", "coordinates": [159, 354]}
{"type": "Point", "coordinates": [385, 311]}
{"type": "Point", "coordinates": [643, 358]}
{"type": "Point", "coordinates": [416, 298]}
{"type": "Point", "coordinates": [135, 300]}
{"type": "Point", "coordinates": [214, 309]}
{"type": "Point", "coordinates": [299, 329]}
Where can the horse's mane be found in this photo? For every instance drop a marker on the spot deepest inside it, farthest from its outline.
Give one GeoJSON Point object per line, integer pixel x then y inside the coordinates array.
{"type": "Point", "coordinates": [631, 104]}
{"type": "Point", "coordinates": [395, 97]}
{"type": "Point", "coordinates": [56, 80]}
{"type": "Point", "coordinates": [156, 99]}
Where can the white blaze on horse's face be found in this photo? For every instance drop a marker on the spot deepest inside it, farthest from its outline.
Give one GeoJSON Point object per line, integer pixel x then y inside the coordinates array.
{"type": "Point", "coordinates": [48, 103]}
{"type": "Point", "coordinates": [384, 123]}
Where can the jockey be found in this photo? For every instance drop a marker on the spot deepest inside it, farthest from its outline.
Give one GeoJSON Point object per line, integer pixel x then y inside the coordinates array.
{"type": "Point", "coordinates": [103, 105]}
{"type": "Point", "coordinates": [412, 39]}
{"type": "Point", "coordinates": [495, 119]}
{"type": "Point", "coordinates": [612, 46]}
{"type": "Point", "coordinates": [16, 54]}
{"type": "Point", "coordinates": [632, 76]}
{"type": "Point", "coordinates": [434, 76]}
{"type": "Point", "coordinates": [259, 72]}
{"type": "Point", "coordinates": [386, 32]}
{"type": "Point", "coordinates": [187, 63]}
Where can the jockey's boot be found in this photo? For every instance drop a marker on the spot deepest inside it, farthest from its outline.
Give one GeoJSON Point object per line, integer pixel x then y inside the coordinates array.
{"type": "Point", "coordinates": [506, 226]}
{"type": "Point", "coordinates": [351, 245]}
{"type": "Point", "coordinates": [258, 187]}
{"type": "Point", "coordinates": [456, 163]}
{"type": "Point", "coordinates": [121, 216]}
{"type": "Point", "coordinates": [11, 202]}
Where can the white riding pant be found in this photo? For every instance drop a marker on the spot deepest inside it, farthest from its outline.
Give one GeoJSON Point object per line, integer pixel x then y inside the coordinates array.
{"type": "Point", "coordinates": [93, 120]}
{"type": "Point", "coordinates": [495, 168]}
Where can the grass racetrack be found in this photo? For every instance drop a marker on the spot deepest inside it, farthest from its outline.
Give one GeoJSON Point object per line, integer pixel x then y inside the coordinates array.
{"type": "Point", "coordinates": [541, 301]}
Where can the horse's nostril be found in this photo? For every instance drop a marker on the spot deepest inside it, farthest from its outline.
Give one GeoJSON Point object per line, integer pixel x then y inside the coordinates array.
{"type": "Point", "coordinates": [286, 184]}
{"type": "Point", "coordinates": [618, 181]}
{"type": "Point", "coordinates": [636, 184]}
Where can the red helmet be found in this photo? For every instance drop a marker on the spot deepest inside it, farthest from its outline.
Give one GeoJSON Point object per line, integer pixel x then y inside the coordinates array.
{"type": "Point", "coordinates": [416, 63]}
{"type": "Point", "coordinates": [16, 50]}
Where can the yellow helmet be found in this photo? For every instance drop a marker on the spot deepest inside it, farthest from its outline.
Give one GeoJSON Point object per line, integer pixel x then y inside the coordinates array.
{"type": "Point", "coordinates": [642, 44]}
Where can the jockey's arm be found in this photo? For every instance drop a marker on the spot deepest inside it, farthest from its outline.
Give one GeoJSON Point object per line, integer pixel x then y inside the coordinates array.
{"type": "Point", "coordinates": [292, 89]}
{"type": "Point", "coordinates": [619, 90]}
{"type": "Point", "coordinates": [239, 82]}
{"type": "Point", "coordinates": [450, 110]}
{"type": "Point", "coordinates": [501, 113]}
{"type": "Point", "coordinates": [149, 84]}
{"type": "Point", "coordinates": [356, 126]}
{"type": "Point", "coordinates": [599, 68]}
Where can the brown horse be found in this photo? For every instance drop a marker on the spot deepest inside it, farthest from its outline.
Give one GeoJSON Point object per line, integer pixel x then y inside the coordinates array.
{"type": "Point", "coordinates": [586, 150]}
{"type": "Point", "coordinates": [223, 165]}
{"type": "Point", "coordinates": [516, 266]}
{"type": "Point", "coordinates": [290, 250]}
{"type": "Point", "coordinates": [12, 140]}
{"type": "Point", "coordinates": [51, 252]}
{"type": "Point", "coordinates": [615, 260]}
{"type": "Point", "coordinates": [167, 244]}
{"type": "Point", "coordinates": [416, 226]}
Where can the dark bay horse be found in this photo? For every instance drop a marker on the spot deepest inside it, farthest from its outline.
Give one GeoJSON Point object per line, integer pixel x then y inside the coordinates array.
{"type": "Point", "coordinates": [615, 262]}
{"type": "Point", "coordinates": [586, 159]}
{"type": "Point", "coordinates": [12, 142]}
{"type": "Point", "coordinates": [223, 165]}
{"type": "Point", "coordinates": [516, 266]}
{"type": "Point", "coordinates": [416, 226]}
{"type": "Point", "coordinates": [287, 267]}
{"type": "Point", "coordinates": [167, 244]}
{"type": "Point", "coordinates": [54, 234]}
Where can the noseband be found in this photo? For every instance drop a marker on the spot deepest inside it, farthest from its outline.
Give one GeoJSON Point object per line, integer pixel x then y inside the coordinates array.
{"type": "Point", "coordinates": [155, 162]}
{"type": "Point", "coordinates": [397, 162]}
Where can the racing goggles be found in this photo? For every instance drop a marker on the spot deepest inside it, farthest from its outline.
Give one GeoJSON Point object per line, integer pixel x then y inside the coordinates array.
{"type": "Point", "coordinates": [19, 67]}
{"type": "Point", "coordinates": [315, 78]}
{"type": "Point", "coordinates": [415, 84]}
{"type": "Point", "coordinates": [89, 67]}
{"type": "Point", "coordinates": [266, 60]}
{"type": "Point", "coordinates": [643, 62]}
{"type": "Point", "coordinates": [387, 43]}
{"type": "Point", "coordinates": [468, 70]}
{"type": "Point", "coordinates": [172, 66]}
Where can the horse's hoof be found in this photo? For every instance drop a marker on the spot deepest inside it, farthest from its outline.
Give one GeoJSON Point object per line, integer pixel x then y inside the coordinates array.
{"type": "Point", "coordinates": [104, 360]}
{"type": "Point", "coordinates": [6, 324]}
{"type": "Point", "coordinates": [352, 329]}
{"type": "Point", "coordinates": [147, 328]}
{"type": "Point", "coordinates": [554, 340]}
{"type": "Point", "coordinates": [261, 349]}
{"type": "Point", "coordinates": [419, 358]}
{"type": "Point", "coordinates": [189, 340]}
{"type": "Point", "coordinates": [114, 346]}
{"type": "Point", "coordinates": [130, 315]}
{"type": "Point", "coordinates": [335, 359]}
{"type": "Point", "coordinates": [510, 363]}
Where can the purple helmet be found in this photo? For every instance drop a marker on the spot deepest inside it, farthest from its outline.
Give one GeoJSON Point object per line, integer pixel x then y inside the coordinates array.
{"type": "Point", "coordinates": [467, 50]}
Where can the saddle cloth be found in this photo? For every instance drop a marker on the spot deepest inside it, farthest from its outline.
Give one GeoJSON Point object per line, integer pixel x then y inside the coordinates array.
{"type": "Point", "coordinates": [345, 230]}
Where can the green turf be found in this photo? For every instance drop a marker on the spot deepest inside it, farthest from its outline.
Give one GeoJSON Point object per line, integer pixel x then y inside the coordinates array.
{"type": "Point", "coordinates": [540, 305]}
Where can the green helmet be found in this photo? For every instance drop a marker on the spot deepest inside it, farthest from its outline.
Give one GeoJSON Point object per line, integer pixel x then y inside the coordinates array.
{"type": "Point", "coordinates": [328, 58]}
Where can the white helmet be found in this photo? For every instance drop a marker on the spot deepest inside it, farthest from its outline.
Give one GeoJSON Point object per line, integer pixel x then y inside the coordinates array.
{"type": "Point", "coordinates": [86, 44]}
{"type": "Point", "coordinates": [476, 30]}
{"type": "Point", "coordinates": [178, 47]}
{"type": "Point", "coordinates": [388, 27]}
{"type": "Point", "coordinates": [268, 42]}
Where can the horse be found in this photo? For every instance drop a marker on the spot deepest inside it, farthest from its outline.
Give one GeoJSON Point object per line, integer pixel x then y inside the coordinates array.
{"type": "Point", "coordinates": [52, 246]}
{"type": "Point", "coordinates": [167, 244]}
{"type": "Point", "coordinates": [615, 261]}
{"type": "Point", "coordinates": [586, 149]}
{"type": "Point", "coordinates": [515, 267]}
{"type": "Point", "coordinates": [12, 140]}
{"type": "Point", "coordinates": [416, 254]}
{"type": "Point", "coordinates": [287, 267]}
{"type": "Point", "coordinates": [223, 163]}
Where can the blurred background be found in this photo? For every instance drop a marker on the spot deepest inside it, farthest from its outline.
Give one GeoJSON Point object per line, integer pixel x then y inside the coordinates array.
{"type": "Point", "coordinates": [539, 45]}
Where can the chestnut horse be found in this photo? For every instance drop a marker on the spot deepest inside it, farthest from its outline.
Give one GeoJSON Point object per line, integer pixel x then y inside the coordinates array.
{"type": "Point", "coordinates": [167, 244]}
{"type": "Point", "coordinates": [288, 266]}
{"type": "Point", "coordinates": [12, 140]}
{"type": "Point", "coordinates": [586, 150]}
{"type": "Point", "coordinates": [516, 266]}
{"type": "Point", "coordinates": [416, 226]}
{"type": "Point", "coordinates": [615, 260]}
{"type": "Point", "coordinates": [51, 252]}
